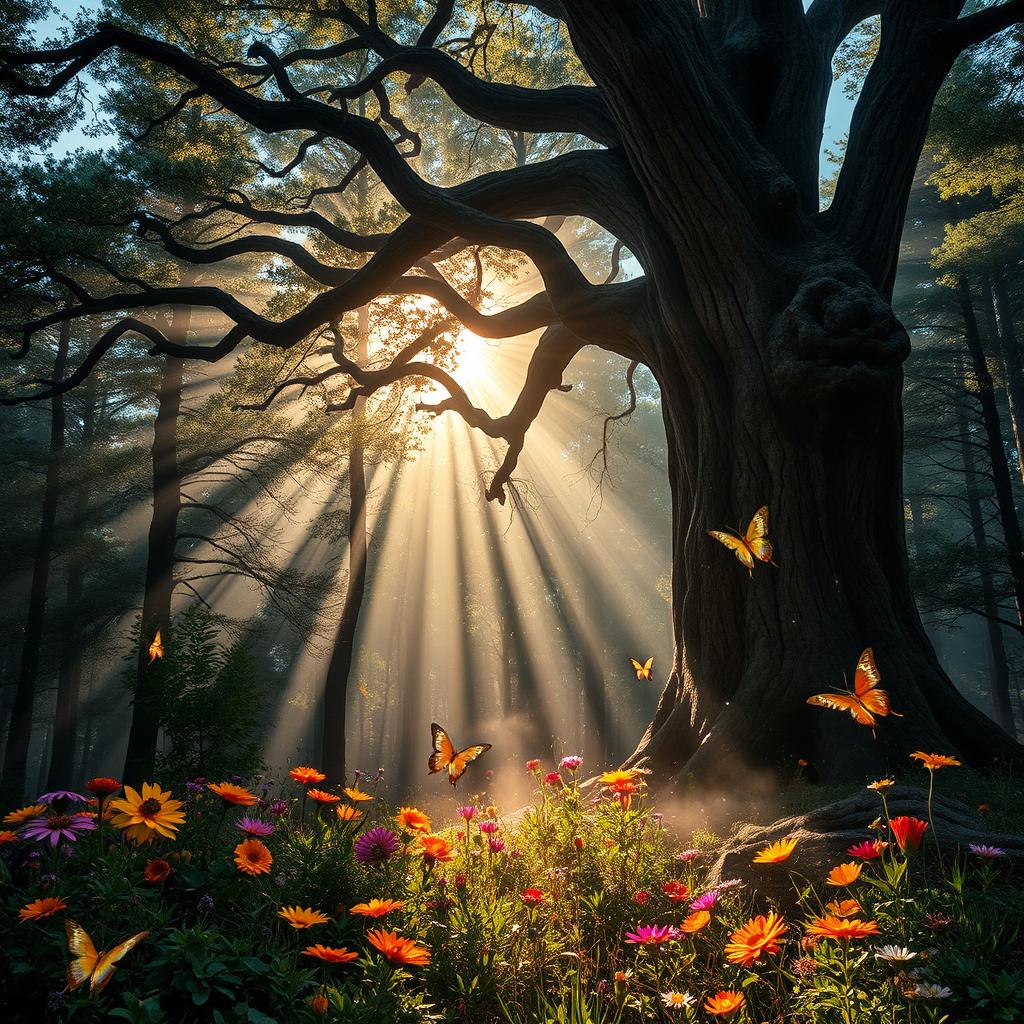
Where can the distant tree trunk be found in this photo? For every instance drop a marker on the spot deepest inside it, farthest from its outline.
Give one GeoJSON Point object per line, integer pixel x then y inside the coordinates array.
{"type": "Point", "coordinates": [1006, 337]}
{"type": "Point", "coordinates": [1001, 479]}
{"type": "Point", "coordinates": [339, 668]}
{"type": "Point", "coordinates": [69, 675]}
{"type": "Point", "coordinates": [19, 734]}
{"type": "Point", "coordinates": [1000, 680]}
{"type": "Point", "coordinates": [160, 560]}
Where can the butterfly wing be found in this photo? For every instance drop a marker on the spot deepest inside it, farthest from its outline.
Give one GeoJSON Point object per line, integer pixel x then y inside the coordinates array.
{"type": "Point", "coordinates": [463, 758]}
{"type": "Point", "coordinates": [444, 749]}
{"type": "Point", "coordinates": [865, 685]}
{"type": "Point", "coordinates": [105, 964]}
{"type": "Point", "coordinates": [642, 671]}
{"type": "Point", "coordinates": [737, 545]}
{"type": "Point", "coordinates": [844, 702]}
{"type": "Point", "coordinates": [637, 668]}
{"type": "Point", "coordinates": [757, 535]}
{"type": "Point", "coordinates": [156, 648]}
{"type": "Point", "coordinates": [83, 954]}
{"type": "Point", "coordinates": [647, 667]}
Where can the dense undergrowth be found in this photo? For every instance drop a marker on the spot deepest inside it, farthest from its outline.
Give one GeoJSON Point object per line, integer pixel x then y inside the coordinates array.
{"type": "Point", "coordinates": [258, 901]}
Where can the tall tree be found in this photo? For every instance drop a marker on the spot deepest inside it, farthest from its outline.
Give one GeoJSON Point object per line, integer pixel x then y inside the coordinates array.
{"type": "Point", "coordinates": [766, 323]}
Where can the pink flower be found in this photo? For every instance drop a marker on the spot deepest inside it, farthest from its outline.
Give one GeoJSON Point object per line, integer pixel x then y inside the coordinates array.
{"type": "Point", "coordinates": [553, 778]}
{"type": "Point", "coordinates": [488, 827]}
{"type": "Point", "coordinates": [705, 902]}
{"type": "Point", "coordinates": [687, 855]}
{"type": "Point", "coordinates": [868, 850]}
{"type": "Point", "coordinates": [571, 762]}
{"type": "Point", "coordinates": [533, 764]}
{"type": "Point", "coordinates": [467, 813]}
{"type": "Point", "coordinates": [496, 845]}
{"type": "Point", "coordinates": [651, 935]}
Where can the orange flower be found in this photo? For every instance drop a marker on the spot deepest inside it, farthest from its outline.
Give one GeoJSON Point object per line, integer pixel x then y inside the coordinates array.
{"type": "Point", "coordinates": [232, 794]}
{"type": "Point", "coordinates": [38, 909]}
{"type": "Point", "coordinates": [346, 812]}
{"type": "Point", "coordinates": [319, 1004]}
{"type": "Point", "coordinates": [844, 908]}
{"type": "Point", "coordinates": [377, 908]}
{"type": "Point", "coordinates": [356, 794]}
{"type": "Point", "coordinates": [697, 920]}
{"type": "Point", "coordinates": [103, 785]}
{"type": "Point", "coordinates": [435, 849]}
{"type": "Point", "coordinates": [844, 874]}
{"type": "Point", "coordinates": [7, 836]}
{"type": "Point", "coordinates": [675, 890]}
{"type": "Point", "coordinates": [307, 776]}
{"type": "Point", "coordinates": [253, 858]}
{"type": "Point", "coordinates": [413, 819]}
{"type": "Point", "coordinates": [398, 949]}
{"type": "Point", "coordinates": [881, 785]}
{"type": "Point", "coordinates": [908, 832]}
{"type": "Point", "coordinates": [617, 777]}
{"type": "Point", "coordinates": [330, 955]}
{"type": "Point", "coordinates": [776, 853]}
{"type": "Point", "coordinates": [935, 761]}
{"type": "Point", "coordinates": [302, 917]}
{"type": "Point", "coordinates": [156, 870]}
{"type": "Point", "coordinates": [321, 796]}
{"type": "Point", "coordinates": [759, 935]}
{"type": "Point", "coordinates": [24, 813]}
{"type": "Point", "coordinates": [721, 1004]}
{"type": "Point", "coordinates": [842, 928]}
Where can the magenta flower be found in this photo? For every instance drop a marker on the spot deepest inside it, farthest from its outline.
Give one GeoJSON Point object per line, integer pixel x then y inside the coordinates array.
{"type": "Point", "coordinates": [497, 845]}
{"type": "Point", "coordinates": [987, 852]}
{"type": "Point", "coordinates": [651, 935]}
{"type": "Point", "coordinates": [376, 846]}
{"type": "Point", "coordinates": [57, 827]}
{"type": "Point", "coordinates": [868, 850]}
{"type": "Point", "coordinates": [279, 807]}
{"type": "Point", "coordinates": [687, 855]}
{"type": "Point", "coordinates": [488, 827]}
{"type": "Point", "coordinates": [467, 813]}
{"type": "Point", "coordinates": [254, 826]}
{"type": "Point", "coordinates": [706, 901]}
{"type": "Point", "coordinates": [572, 762]}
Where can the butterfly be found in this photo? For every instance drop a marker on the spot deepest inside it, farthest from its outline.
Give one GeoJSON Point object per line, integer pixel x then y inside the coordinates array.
{"type": "Point", "coordinates": [754, 544]}
{"type": "Point", "coordinates": [866, 703]}
{"type": "Point", "coordinates": [446, 756]}
{"type": "Point", "coordinates": [156, 648]}
{"type": "Point", "coordinates": [86, 963]}
{"type": "Point", "coordinates": [643, 671]}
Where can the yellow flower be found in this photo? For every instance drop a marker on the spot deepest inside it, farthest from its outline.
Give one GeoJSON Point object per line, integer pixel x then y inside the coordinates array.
{"type": "Point", "coordinates": [844, 874]}
{"type": "Point", "coordinates": [346, 812]}
{"type": "Point", "coordinates": [232, 794]}
{"type": "Point", "coordinates": [933, 762]}
{"type": "Point", "coordinates": [356, 794]}
{"type": "Point", "coordinates": [302, 917]}
{"type": "Point", "coordinates": [617, 777]}
{"type": "Point", "coordinates": [776, 852]}
{"type": "Point", "coordinates": [146, 815]}
{"type": "Point", "coordinates": [24, 813]}
{"type": "Point", "coordinates": [881, 785]}
{"type": "Point", "coordinates": [377, 908]}
{"type": "Point", "coordinates": [413, 819]}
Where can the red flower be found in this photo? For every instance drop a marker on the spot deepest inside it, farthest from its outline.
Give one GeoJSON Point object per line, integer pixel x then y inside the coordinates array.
{"type": "Point", "coordinates": [531, 897]}
{"type": "Point", "coordinates": [675, 890]}
{"type": "Point", "coordinates": [553, 779]}
{"type": "Point", "coordinates": [908, 832]}
{"type": "Point", "coordinates": [103, 785]}
{"type": "Point", "coordinates": [579, 842]}
{"type": "Point", "coordinates": [156, 870]}
{"type": "Point", "coordinates": [640, 897]}
{"type": "Point", "coordinates": [533, 764]}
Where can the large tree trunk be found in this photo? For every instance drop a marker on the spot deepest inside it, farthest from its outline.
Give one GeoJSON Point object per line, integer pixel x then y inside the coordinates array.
{"type": "Point", "coordinates": [1000, 676]}
{"type": "Point", "coordinates": [69, 672]}
{"type": "Point", "coordinates": [339, 668]}
{"type": "Point", "coordinates": [1006, 338]}
{"type": "Point", "coordinates": [19, 734]}
{"type": "Point", "coordinates": [160, 560]}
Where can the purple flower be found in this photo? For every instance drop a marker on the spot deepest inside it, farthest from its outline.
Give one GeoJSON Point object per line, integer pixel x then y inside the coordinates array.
{"type": "Point", "coordinates": [279, 807]}
{"type": "Point", "coordinates": [571, 762]}
{"type": "Point", "coordinates": [987, 852]}
{"type": "Point", "coordinates": [516, 853]}
{"type": "Point", "coordinates": [467, 813]}
{"type": "Point", "coordinates": [206, 902]}
{"type": "Point", "coordinates": [254, 826]}
{"type": "Point", "coordinates": [488, 827]}
{"type": "Point", "coordinates": [61, 796]}
{"type": "Point", "coordinates": [497, 845]}
{"type": "Point", "coordinates": [705, 902]}
{"type": "Point", "coordinates": [57, 827]}
{"type": "Point", "coordinates": [651, 934]}
{"type": "Point", "coordinates": [376, 846]}
{"type": "Point", "coordinates": [687, 855]}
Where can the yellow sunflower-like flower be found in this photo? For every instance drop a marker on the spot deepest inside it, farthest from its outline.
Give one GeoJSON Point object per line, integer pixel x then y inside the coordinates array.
{"type": "Point", "coordinates": [145, 815]}
{"type": "Point", "coordinates": [618, 776]}
{"type": "Point", "coordinates": [22, 814]}
{"type": "Point", "coordinates": [302, 917]}
{"type": "Point", "coordinates": [355, 794]}
{"type": "Point", "coordinates": [933, 762]}
{"type": "Point", "coordinates": [776, 852]}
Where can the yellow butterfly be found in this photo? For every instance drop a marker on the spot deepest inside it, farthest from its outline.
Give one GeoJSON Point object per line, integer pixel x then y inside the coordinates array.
{"type": "Point", "coordinates": [866, 703]}
{"type": "Point", "coordinates": [643, 671]}
{"type": "Point", "coordinates": [445, 755]}
{"type": "Point", "coordinates": [156, 648]}
{"type": "Point", "coordinates": [755, 544]}
{"type": "Point", "coordinates": [86, 963]}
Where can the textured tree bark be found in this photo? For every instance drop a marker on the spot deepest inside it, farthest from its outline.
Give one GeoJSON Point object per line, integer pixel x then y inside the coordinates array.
{"type": "Point", "coordinates": [1006, 338]}
{"type": "Point", "coordinates": [72, 642]}
{"type": "Point", "coordinates": [1002, 711]}
{"type": "Point", "coordinates": [160, 560]}
{"type": "Point", "coordinates": [19, 733]}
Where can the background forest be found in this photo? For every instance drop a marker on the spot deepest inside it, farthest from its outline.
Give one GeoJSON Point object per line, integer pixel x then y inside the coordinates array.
{"type": "Point", "coordinates": [324, 574]}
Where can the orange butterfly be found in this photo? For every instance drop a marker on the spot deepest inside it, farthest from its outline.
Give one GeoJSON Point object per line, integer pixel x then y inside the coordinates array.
{"type": "Point", "coordinates": [866, 703]}
{"type": "Point", "coordinates": [86, 963]}
{"type": "Point", "coordinates": [754, 544]}
{"type": "Point", "coordinates": [643, 671]}
{"type": "Point", "coordinates": [156, 648]}
{"type": "Point", "coordinates": [445, 755]}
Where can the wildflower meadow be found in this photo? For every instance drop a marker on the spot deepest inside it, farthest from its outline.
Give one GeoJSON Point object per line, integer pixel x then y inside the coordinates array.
{"type": "Point", "coordinates": [306, 899]}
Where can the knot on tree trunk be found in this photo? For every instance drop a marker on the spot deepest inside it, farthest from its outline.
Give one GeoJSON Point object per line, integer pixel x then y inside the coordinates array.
{"type": "Point", "coordinates": [825, 834]}
{"type": "Point", "coordinates": [837, 339]}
